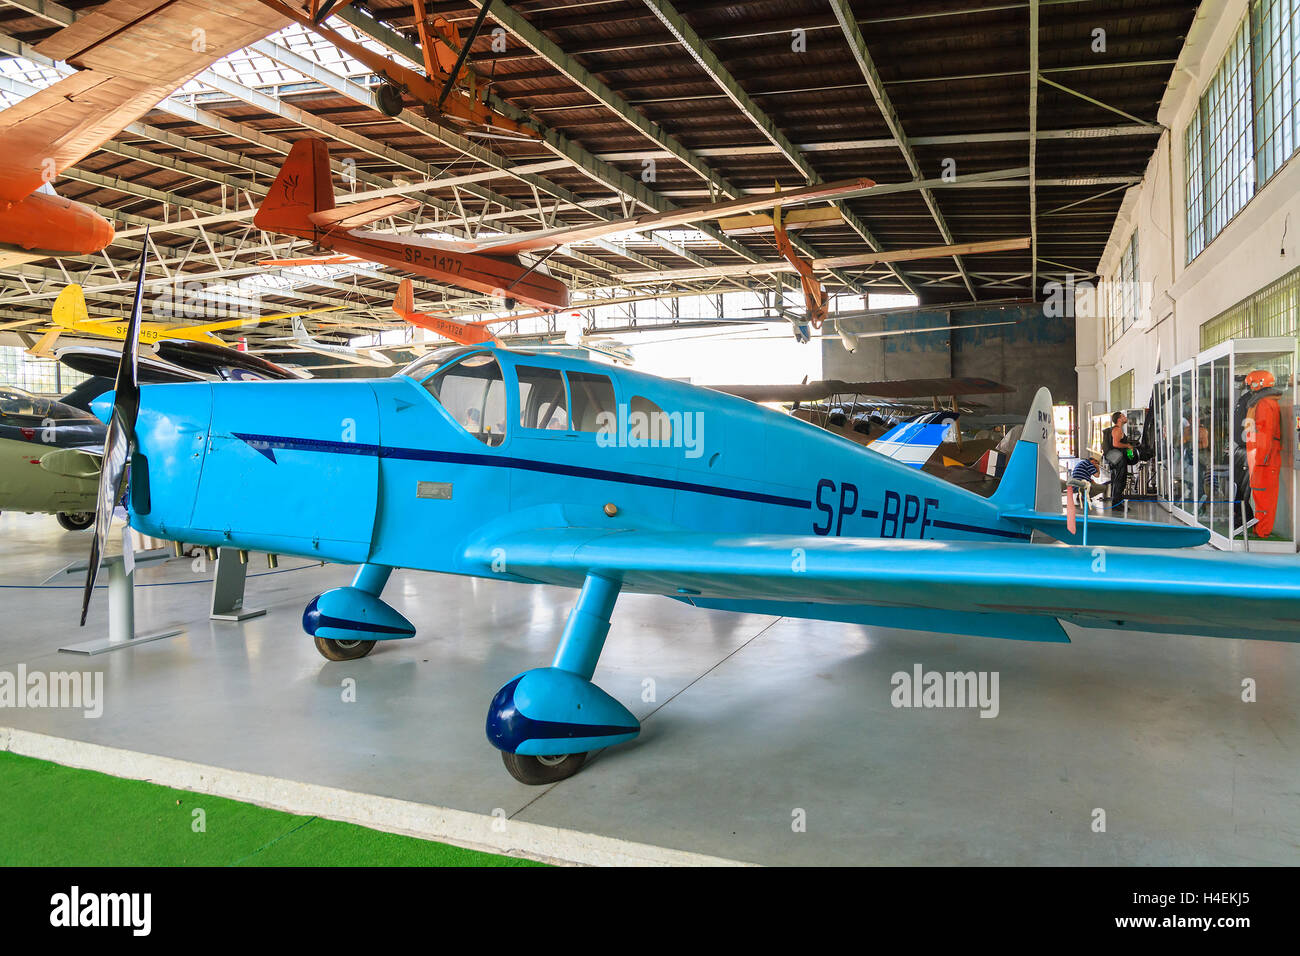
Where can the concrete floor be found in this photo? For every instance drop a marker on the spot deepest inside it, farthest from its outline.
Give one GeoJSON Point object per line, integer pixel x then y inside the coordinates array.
{"type": "Point", "coordinates": [753, 718]}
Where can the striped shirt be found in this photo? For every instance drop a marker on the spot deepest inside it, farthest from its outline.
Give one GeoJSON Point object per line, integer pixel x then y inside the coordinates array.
{"type": "Point", "coordinates": [1085, 470]}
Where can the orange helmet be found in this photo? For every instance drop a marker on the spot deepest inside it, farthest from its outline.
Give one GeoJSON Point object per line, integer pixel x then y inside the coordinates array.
{"type": "Point", "coordinates": [1260, 378]}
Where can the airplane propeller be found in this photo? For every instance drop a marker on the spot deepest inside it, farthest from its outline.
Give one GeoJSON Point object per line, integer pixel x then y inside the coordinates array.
{"type": "Point", "coordinates": [119, 443]}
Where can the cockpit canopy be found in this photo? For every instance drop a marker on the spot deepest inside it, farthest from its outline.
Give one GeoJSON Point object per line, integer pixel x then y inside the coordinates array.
{"type": "Point", "coordinates": [470, 385]}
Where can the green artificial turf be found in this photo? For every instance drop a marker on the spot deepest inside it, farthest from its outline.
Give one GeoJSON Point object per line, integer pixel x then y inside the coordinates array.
{"type": "Point", "coordinates": [59, 816]}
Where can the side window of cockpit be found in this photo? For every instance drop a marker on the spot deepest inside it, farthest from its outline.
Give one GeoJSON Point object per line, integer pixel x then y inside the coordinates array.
{"type": "Point", "coordinates": [592, 395]}
{"type": "Point", "coordinates": [474, 393]}
{"type": "Point", "coordinates": [648, 423]}
{"type": "Point", "coordinates": [542, 402]}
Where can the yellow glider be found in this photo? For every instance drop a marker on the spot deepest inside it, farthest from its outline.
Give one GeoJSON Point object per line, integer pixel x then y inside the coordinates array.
{"type": "Point", "coordinates": [70, 314]}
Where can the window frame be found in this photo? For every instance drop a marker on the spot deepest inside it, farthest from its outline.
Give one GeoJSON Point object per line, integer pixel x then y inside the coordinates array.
{"type": "Point", "coordinates": [511, 401]}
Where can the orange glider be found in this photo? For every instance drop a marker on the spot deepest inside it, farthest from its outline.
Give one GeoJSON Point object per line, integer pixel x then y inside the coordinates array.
{"type": "Point", "coordinates": [301, 204]}
{"type": "Point", "coordinates": [129, 54]}
{"type": "Point", "coordinates": [463, 333]}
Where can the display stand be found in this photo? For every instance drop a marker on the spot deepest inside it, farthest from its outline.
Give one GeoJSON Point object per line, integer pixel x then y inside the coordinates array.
{"type": "Point", "coordinates": [228, 588]}
{"type": "Point", "coordinates": [121, 603]}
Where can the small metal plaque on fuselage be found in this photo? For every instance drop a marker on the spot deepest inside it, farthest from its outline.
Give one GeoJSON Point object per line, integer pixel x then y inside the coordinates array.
{"type": "Point", "coordinates": [440, 490]}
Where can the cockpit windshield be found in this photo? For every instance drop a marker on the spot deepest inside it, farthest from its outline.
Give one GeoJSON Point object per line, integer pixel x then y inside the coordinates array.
{"type": "Point", "coordinates": [473, 392]}
{"type": "Point", "coordinates": [16, 405]}
{"type": "Point", "coordinates": [429, 363]}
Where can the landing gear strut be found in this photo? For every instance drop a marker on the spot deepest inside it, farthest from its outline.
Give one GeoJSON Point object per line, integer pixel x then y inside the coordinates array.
{"type": "Point", "coordinates": [546, 720]}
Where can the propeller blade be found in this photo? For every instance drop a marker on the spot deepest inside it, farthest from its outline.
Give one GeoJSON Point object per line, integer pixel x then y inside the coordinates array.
{"type": "Point", "coordinates": [119, 443]}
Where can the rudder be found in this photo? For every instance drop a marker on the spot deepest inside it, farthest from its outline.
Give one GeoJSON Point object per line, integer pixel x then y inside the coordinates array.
{"type": "Point", "coordinates": [1030, 480]}
{"type": "Point", "coordinates": [303, 186]}
{"type": "Point", "coordinates": [70, 307]}
{"type": "Point", "coordinates": [404, 300]}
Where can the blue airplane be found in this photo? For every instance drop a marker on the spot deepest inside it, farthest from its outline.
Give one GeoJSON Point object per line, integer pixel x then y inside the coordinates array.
{"type": "Point", "coordinates": [537, 468]}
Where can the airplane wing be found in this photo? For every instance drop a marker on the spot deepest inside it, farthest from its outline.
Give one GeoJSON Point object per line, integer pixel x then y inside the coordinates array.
{"type": "Point", "coordinates": [902, 388]}
{"type": "Point", "coordinates": [130, 54]}
{"type": "Point", "coordinates": [989, 589]}
{"type": "Point", "coordinates": [854, 261]}
{"type": "Point", "coordinates": [546, 238]}
{"type": "Point", "coordinates": [247, 321]}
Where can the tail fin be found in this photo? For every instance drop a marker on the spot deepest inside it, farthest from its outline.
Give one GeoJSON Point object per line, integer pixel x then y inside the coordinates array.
{"type": "Point", "coordinates": [1030, 481]}
{"type": "Point", "coordinates": [70, 307]}
{"type": "Point", "coordinates": [404, 299]}
{"type": "Point", "coordinates": [303, 186]}
{"type": "Point", "coordinates": [299, 327]}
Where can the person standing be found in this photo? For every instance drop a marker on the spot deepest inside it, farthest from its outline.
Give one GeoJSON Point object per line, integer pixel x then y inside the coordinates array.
{"type": "Point", "coordinates": [1118, 458]}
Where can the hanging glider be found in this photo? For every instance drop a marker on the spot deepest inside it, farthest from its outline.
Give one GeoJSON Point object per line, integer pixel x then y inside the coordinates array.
{"type": "Point", "coordinates": [129, 54]}
{"type": "Point", "coordinates": [301, 204]}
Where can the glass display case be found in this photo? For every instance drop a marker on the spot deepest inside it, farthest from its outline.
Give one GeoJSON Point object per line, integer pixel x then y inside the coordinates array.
{"type": "Point", "coordinates": [1182, 447]}
{"type": "Point", "coordinates": [1162, 436]}
{"type": "Point", "coordinates": [1229, 452]}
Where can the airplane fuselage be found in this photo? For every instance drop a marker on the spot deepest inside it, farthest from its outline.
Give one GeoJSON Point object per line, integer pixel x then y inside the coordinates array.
{"type": "Point", "coordinates": [382, 472]}
{"type": "Point", "coordinates": [459, 332]}
{"type": "Point", "coordinates": [503, 278]}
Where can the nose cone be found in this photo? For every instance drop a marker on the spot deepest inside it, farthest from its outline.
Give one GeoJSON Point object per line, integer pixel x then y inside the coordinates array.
{"type": "Point", "coordinates": [102, 234]}
{"type": "Point", "coordinates": [102, 407]}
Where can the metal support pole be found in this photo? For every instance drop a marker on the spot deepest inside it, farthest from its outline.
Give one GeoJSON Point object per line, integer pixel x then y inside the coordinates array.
{"type": "Point", "coordinates": [121, 610]}
{"type": "Point", "coordinates": [228, 588]}
{"type": "Point", "coordinates": [587, 627]}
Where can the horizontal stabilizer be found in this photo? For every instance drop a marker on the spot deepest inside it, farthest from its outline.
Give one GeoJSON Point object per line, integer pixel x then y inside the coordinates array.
{"type": "Point", "coordinates": [1115, 532]}
{"type": "Point", "coordinates": [358, 214]}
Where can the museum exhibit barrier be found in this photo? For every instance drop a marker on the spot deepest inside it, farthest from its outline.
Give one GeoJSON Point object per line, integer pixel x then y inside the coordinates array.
{"type": "Point", "coordinates": [1226, 443]}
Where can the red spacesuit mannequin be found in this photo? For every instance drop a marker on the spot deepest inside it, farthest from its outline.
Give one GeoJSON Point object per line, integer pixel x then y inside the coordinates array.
{"type": "Point", "coordinates": [1262, 430]}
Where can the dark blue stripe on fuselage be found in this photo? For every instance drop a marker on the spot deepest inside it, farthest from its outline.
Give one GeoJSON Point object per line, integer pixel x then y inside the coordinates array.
{"type": "Point", "coordinates": [525, 464]}
{"type": "Point", "coordinates": [955, 526]}
{"type": "Point", "coordinates": [267, 443]}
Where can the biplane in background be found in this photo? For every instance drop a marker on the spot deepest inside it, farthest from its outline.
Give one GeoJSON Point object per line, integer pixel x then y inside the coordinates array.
{"type": "Point", "coordinates": [447, 91]}
{"type": "Point", "coordinates": [905, 420]}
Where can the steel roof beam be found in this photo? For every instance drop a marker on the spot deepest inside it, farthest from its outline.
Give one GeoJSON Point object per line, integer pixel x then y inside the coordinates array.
{"type": "Point", "coordinates": [590, 165]}
{"type": "Point", "coordinates": [533, 38]}
{"type": "Point", "coordinates": [366, 97]}
{"type": "Point", "coordinates": [723, 79]}
{"type": "Point", "coordinates": [1033, 146]}
{"type": "Point", "coordinates": [858, 47]}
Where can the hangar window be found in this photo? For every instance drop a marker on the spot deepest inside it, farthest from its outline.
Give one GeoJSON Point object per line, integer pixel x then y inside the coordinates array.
{"type": "Point", "coordinates": [1247, 122]}
{"type": "Point", "coordinates": [474, 393]}
{"type": "Point", "coordinates": [542, 399]}
{"type": "Point", "coordinates": [592, 395]}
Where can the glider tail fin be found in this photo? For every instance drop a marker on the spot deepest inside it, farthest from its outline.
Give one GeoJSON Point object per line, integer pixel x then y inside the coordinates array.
{"type": "Point", "coordinates": [70, 307]}
{"type": "Point", "coordinates": [404, 299]}
{"type": "Point", "coordinates": [1030, 481]}
{"type": "Point", "coordinates": [303, 186]}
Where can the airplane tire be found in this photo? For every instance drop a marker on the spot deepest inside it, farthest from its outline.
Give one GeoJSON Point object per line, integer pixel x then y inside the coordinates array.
{"type": "Point", "coordinates": [343, 650]}
{"type": "Point", "coordinates": [75, 520]}
{"type": "Point", "coordinates": [389, 100]}
{"type": "Point", "coordinates": [538, 771]}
